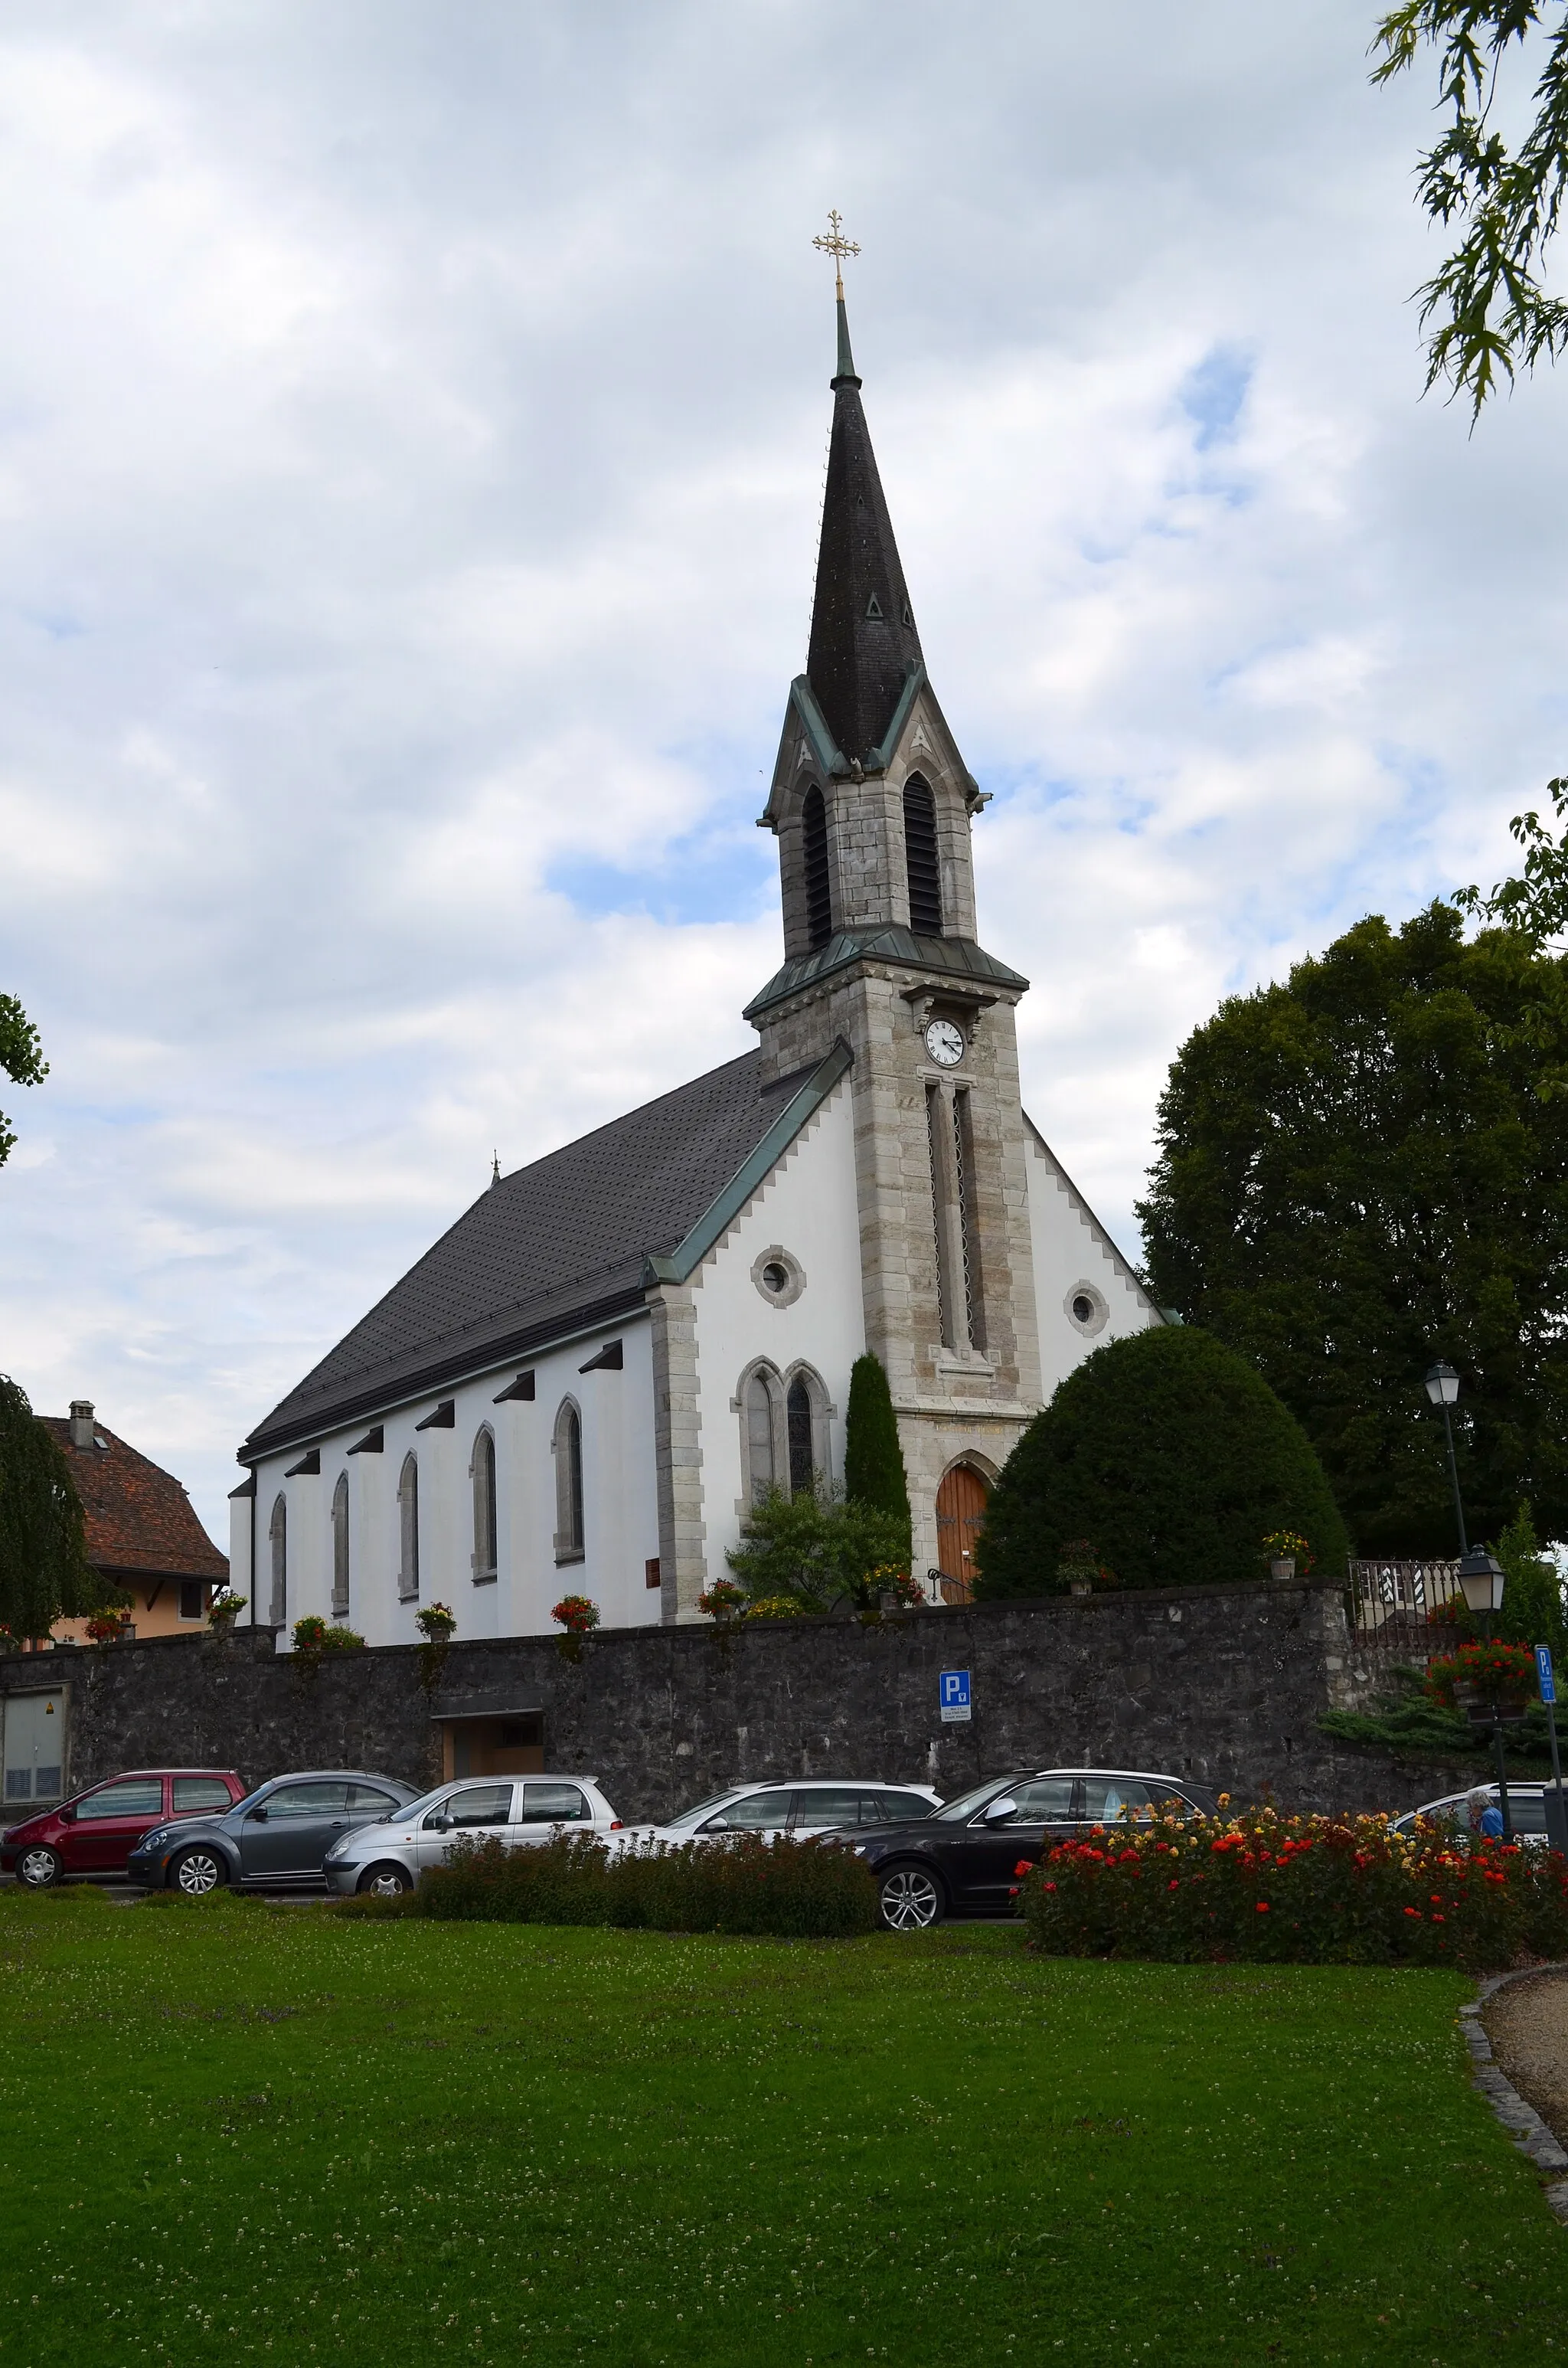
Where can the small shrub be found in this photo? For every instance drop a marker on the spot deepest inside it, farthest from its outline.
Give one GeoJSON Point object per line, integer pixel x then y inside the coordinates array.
{"type": "Point", "coordinates": [313, 1636]}
{"type": "Point", "coordinates": [723, 1597]}
{"type": "Point", "coordinates": [1267, 1889]}
{"type": "Point", "coordinates": [1498, 1671]}
{"type": "Point", "coordinates": [820, 1552]}
{"type": "Point", "coordinates": [806, 1890]}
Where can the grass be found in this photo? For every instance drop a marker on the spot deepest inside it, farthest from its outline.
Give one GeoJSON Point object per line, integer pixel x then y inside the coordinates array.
{"type": "Point", "coordinates": [236, 2133]}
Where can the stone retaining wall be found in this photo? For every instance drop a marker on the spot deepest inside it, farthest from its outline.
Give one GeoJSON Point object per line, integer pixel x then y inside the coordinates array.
{"type": "Point", "coordinates": [1224, 1684]}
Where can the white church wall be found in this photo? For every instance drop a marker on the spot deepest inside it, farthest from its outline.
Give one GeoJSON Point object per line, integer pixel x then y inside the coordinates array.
{"type": "Point", "coordinates": [1072, 1257]}
{"type": "Point", "coordinates": [809, 1208]}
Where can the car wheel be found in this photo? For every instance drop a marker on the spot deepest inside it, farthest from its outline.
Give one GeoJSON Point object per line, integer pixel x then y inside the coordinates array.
{"type": "Point", "coordinates": [911, 1900]}
{"type": "Point", "coordinates": [39, 1866]}
{"type": "Point", "coordinates": [197, 1871]}
{"type": "Point", "coordinates": [384, 1882]}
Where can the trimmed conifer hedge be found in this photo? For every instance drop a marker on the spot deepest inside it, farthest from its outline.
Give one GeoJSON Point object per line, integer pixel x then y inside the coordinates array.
{"type": "Point", "coordinates": [874, 1460]}
{"type": "Point", "coordinates": [1171, 1456]}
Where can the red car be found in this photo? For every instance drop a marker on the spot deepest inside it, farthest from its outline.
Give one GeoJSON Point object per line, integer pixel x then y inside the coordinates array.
{"type": "Point", "coordinates": [96, 1832]}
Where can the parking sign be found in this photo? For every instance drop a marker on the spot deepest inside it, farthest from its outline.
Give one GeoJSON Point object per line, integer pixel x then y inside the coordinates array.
{"type": "Point", "coordinates": [952, 1695]}
{"type": "Point", "coordinates": [1544, 1671]}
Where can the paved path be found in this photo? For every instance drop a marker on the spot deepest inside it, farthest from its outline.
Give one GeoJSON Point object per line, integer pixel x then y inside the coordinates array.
{"type": "Point", "coordinates": [1526, 2022]}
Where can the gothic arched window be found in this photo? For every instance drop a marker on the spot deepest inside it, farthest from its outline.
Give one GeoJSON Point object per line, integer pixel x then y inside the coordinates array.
{"type": "Point", "coordinates": [757, 1405]}
{"type": "Point", "coordinates": [340, 1548]}
{"type": "Point", "coordinates": [568, 1450]}
{"type": "Point", "coordinates": [920, 859]}
{"type": "Point", "coordinates": [277, 1539]}
{"type": "Point", "coordinates": [482, 1471]}
{"type": "Point", "coordinates": [408, 1530]}
{"type": "Point", "coordinates": [798, 1412]}
{"type": "Point", "coordinates": [814, 857]}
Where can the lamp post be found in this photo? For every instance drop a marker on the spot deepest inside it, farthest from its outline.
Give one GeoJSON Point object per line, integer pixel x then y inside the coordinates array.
{"type": "Point", "coordinates": [1443, 1388]}
{"type": "Point", "coordinates": [1481, 1577]}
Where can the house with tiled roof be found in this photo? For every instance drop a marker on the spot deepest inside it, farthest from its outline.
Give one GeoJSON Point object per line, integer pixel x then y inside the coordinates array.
{"type": "Point", "coordinates": [605, 1361]}
{"type": "Point", "coordinates": [142, 1533]}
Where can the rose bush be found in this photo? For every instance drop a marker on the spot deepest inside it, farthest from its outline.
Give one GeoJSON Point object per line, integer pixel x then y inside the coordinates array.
{"type": "Point", "coordinates": [1314, 1890]}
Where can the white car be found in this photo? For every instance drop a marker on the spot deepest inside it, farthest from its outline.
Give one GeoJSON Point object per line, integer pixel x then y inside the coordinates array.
{"type": "Point", "coordinates": [808, 1806]}
{"type": "Point", "coordinates": [390, 1857]}
{"type": "Point", "coordinates": [1527, 1811]}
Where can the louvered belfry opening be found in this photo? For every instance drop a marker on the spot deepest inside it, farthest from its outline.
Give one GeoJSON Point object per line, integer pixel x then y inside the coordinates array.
{"type": "Point", "coordinates": [813, 848]}
{"type": "Point", "coordinates": [920, 859]}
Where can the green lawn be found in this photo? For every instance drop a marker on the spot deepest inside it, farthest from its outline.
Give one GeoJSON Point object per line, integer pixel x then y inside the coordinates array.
{"type": "Point", "coordinates": [236, 2133]}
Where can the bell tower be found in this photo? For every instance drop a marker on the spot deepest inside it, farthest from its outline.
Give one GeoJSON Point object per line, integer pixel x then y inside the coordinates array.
{"type": "Point", "coordinates": [872, 806]}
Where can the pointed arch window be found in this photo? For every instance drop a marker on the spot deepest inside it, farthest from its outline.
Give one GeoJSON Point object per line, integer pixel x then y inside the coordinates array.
{"type": "Point", "coordinates": [921, 860]}
{"type": "Point", "coordinates": [340, 1548]}
{"type": "Point", "coordinates": [799, 1425]}
{"type": "Point", "coordinates": [813, 852]}
{"type": "Point", "coordinates": [758, 1405]}
{"type": "Point", "coordinates": [568, 1451]}
{"type": "Point", "coordinates": [277, 1540]}
{"type": "Point", "coordinates": [408, 1530]}
{"type": "Point", "coordinates": [482, 1471]}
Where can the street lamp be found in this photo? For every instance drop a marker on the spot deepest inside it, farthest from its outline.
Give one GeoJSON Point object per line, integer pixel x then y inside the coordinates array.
{"type": "Point", "coordinates": [1443, 1389]}
{"type": "Point", "coordinates": [1480, 1574]}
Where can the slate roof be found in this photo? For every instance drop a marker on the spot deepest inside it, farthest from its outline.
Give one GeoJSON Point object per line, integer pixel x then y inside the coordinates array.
{"type": "Point", "coordinates": [563, 1242]}
{"type": "Point", "coordinates": [863, 638]}
{"type": "Point", "coordinates": [137, 1516]}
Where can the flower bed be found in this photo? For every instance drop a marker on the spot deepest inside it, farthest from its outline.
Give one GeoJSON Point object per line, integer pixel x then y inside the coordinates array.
{"type": "Point", "coordinates": [798, 1890]}
{"type": "Point", "coordinates": [1265, 1888]}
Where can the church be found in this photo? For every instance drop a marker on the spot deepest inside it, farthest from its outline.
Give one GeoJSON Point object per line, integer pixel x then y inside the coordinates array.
{"type": "Point", "coordinates": [586, 1382]}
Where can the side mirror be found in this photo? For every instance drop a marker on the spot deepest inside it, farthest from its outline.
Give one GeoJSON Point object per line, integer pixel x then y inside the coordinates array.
{"type": "Point", "coordinates": [438, 1823]}
{"type": "Point", "coordinates": [997, 1811]}
{"type": "Point", "coordinates": [67, 1816]}
{"type": "Point", "coordinates": [257, 1817]}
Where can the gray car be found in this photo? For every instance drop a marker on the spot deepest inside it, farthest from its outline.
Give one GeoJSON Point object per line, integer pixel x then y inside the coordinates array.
{"type": "Point", "coordinates": [278, 1835]}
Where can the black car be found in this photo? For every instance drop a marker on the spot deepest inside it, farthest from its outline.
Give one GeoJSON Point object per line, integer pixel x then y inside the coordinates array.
{"type": "Point", "coordinates": [279, 1834]}
{"type": "Point", "coordinates": [963, 1859]}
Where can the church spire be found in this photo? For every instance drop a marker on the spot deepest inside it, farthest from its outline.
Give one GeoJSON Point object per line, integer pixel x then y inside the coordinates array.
{"type": "Point", "coordinates": [863, 638]}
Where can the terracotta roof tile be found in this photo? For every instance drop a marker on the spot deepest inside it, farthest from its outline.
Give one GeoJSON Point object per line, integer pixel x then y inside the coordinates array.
{"type": "Point", "coordinates": [138, 1517]}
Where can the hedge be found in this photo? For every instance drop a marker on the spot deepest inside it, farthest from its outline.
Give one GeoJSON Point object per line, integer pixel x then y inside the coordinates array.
{"type": "Point", "coordinates": [1170, 1459]}
{"type": "Point", "coordinates": [798, 1890]}
{"type": "Point", "coordinates": [1267, 1889]}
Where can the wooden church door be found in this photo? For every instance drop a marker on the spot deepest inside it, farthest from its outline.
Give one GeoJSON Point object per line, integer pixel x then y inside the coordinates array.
{"type": "Point", "coordinates": [960, 1508]}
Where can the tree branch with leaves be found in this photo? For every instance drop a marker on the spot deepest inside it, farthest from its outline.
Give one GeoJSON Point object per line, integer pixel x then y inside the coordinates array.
{"type": "Point", "coordinates": [1486, 308]}
{"type": "Point", "coordinates": [21, 1059]}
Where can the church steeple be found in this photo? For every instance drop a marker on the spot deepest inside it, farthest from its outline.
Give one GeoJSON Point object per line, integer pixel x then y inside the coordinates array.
{"type": "Point", "coordinates": [863, 638]}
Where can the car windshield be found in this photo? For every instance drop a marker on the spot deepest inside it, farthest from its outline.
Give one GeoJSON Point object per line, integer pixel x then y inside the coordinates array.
{"type": "Point", "coordinates": [954, 1812]}
{"type": "Point", "coordinates": [705, 1808]}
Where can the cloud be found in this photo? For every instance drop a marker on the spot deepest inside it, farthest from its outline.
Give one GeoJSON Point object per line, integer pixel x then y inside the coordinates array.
{"type": "Point", "coordinates": [411, 438]}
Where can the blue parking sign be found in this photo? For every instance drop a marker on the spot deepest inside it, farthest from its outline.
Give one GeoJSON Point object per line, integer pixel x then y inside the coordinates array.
{"type": "Point", "coordinates": [952, 1695]}
{"type": "Point", "coordinates": [1543, 1671]}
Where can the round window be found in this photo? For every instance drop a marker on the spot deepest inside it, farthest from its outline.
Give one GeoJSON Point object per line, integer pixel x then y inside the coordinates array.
{"type": "Point", "coordinates": [775, 1278]}
{"type": "Point", "coordinates": [1082, 1305]}
{"type": "Point", "coordinates": [1085, 1309]}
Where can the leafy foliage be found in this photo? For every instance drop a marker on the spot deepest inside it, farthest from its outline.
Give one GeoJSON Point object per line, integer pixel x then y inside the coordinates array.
{"type": "Point", "coordinates": [1405, 1719]}
{"type": "Point", "coordinates": [874, 1460]}
{"type": "Point", "coordinates": [1534, 1610]}
{"type": "Point", "coordinates": [21, 1059]}
{"type": "Point", "coordinates": [1174, 1455]}
{"type": "Point", "coordinates": [817, 1554]}
{"type": "Point", "coordinates": [1489, 310]}
{"type": "Point", "coordinates": [1499, 1672]}
{"type": "Point", "coordinates": [799, 1890]}
{"type": "Point", "coordinates": [44, 1572]}
{"type": "Point", "coordinates": [312, 1637]}
{"type": "Point", "coordinates": [1305, 1890]}
{"type": "Point", "coordinates": [1358, 1172]}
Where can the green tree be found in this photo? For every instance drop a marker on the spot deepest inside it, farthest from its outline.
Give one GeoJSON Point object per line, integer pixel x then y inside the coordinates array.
{"type": "Point", "coordinates": [1360, 1172]}
{"type": "Point", "coordinates": [1533, 1609]}
{"type": "Point", "coordinates": [1486, 305]}
{"type": "Point", "coordinates": [874, 1460]}
{"type": "Point", "coordinates": [1174, 1456]}
{"type": "Point", "coordinates": [21, 1059]}
{"type": "Point", "coordinates": [820, 1554]}
{"type": "Point", "coordinates": [44, 1572]}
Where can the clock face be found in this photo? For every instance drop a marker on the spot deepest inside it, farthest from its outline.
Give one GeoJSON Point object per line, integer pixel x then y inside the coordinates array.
{"type": "Point", "coordinates": [944, 1042]}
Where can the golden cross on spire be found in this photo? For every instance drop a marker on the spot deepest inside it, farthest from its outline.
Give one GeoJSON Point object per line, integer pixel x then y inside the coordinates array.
{"type": "Point", "coordinates": [838, 247]}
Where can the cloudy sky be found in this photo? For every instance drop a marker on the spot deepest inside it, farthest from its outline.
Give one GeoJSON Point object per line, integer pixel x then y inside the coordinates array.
{"type": "Point", "coordinates": [412, 422]}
